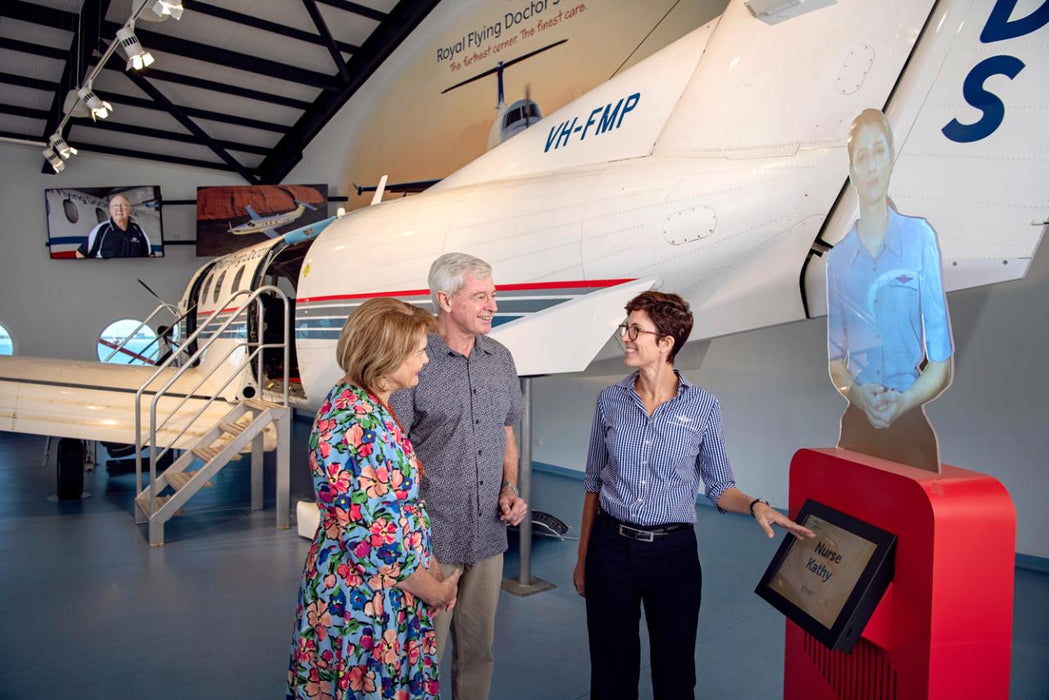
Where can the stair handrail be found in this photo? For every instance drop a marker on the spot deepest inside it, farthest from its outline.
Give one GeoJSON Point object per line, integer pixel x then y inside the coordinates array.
{"type": "Point", "coordinates": [164, 306]}
{"type": "Point", "coordinates": [259, 346]}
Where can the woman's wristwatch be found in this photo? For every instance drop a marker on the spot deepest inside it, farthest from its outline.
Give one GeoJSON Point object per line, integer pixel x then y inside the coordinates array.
{"type": "Point", "coordinates": [512, 486]}
{"type": "Point", "coordinates": [755, 502]}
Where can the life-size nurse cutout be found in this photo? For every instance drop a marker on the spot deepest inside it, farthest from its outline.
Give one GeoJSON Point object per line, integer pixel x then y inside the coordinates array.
{"type": "Point", "coordinates": [888, 331]}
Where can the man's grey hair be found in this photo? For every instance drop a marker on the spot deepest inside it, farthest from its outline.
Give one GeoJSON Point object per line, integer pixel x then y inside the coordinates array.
{"type": "Point", "coordinates": [447, 273]}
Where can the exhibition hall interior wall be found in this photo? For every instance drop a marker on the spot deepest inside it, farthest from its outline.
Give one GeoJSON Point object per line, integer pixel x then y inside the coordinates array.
{"type": "Point", "coordinates": [57, 308]}
{"type": "Point", "coordinates": [773, 386]}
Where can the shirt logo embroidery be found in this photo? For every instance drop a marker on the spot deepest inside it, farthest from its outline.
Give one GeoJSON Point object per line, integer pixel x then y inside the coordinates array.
{"type": "Point", "coordinates": [904, 279]}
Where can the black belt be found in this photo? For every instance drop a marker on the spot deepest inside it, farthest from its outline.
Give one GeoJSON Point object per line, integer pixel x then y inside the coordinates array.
{"type": "Point", "coordinates": [642, 533]}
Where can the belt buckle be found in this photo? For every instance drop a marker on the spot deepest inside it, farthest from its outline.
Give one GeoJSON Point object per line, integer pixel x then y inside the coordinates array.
{"type": "Point", "coordinates": [635, 534]}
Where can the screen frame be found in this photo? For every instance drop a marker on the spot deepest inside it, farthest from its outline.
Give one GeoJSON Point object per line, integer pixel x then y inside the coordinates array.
{"type": "Point", "coordinates": [865, 595]}
{"type": "Point", "coordinates": [62, 245]}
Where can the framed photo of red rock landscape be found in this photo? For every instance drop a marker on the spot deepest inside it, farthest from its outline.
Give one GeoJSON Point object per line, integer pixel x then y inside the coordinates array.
{"type": "Point", "coordinates": [830, 585]}
{"type": "Point", "coordinates": [235, 217]}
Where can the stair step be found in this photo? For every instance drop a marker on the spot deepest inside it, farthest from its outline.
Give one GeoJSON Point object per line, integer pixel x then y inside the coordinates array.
{"type": "Point", "coordinates": [239, 426]}
{"type": "Point", "coordinates": [180, 479]}
{"type": "Point", "coordinates": [207, 453]}
{"type": "Point", "coordinates": [142, 500]}
{"type": "Point", "coordinates": [261, 404]}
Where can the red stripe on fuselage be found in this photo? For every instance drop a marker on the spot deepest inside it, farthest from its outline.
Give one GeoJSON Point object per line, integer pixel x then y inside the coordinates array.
{"type": "Point", "coordinates": [530, 286]}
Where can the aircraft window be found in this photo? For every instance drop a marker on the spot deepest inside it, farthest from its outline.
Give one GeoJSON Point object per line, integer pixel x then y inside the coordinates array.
{"type": "Point", "coordinates": [7, 343]}
{"type": "Point", "coordinates": [140, 349]}
{"type": "Point", "coordinates": [236, 279]}
{"type": "Point", "coordinates": [72, 213]}
{"type": "Point", "coordinates": [101, 214]}
{"type": "Point", "coordinates": [218, 285]}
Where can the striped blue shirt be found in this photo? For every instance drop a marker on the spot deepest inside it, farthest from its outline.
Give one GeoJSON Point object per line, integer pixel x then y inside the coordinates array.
{"type": "Point", "coordinates": [647, 468]}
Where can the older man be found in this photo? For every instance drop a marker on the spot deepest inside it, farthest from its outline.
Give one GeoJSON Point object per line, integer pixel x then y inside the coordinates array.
{"type": "Point", "coordinates": [460, 419]}
{"type": "Point", "coordinates": [119, 237]}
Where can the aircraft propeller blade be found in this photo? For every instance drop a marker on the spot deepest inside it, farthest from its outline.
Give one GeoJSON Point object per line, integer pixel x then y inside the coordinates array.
{"type": "Point", "coordinates": [503, 65]}
{"type": "Point", "coordinates": [155, 295]}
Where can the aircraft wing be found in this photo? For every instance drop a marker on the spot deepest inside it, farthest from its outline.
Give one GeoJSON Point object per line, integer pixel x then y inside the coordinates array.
{"type": "Point", "coordinates": [95, 401]}
{"type": "Point", "coordinates": [251, 212]}
{"type": "Point", "coordinates": [567, 336]}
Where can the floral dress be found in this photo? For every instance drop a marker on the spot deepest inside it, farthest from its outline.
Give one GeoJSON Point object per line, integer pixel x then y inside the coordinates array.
{"type": "Point", "coordinates": [357, 636]}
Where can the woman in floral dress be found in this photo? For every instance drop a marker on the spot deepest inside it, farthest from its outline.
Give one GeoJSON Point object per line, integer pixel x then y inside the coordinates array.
{"type": "Point", "coordinates": [369, 586]}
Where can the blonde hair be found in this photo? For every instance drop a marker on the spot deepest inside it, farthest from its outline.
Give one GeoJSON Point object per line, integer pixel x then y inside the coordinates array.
{"type": "Point", "coordinates": [378, 337]}
{"type": "Point", "coordinates": [876, 118]}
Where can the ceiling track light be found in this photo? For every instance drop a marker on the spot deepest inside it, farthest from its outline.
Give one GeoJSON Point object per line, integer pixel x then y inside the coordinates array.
{"type": "Point", "coordinates": [59, 146]}
{"type": "Point", "coordinates": [157, 10]}
{"type": "Point", "coordinates": [137, 57]}
{"type": "Point", "coordinates": [100, 109]}
{"type": "Point", "coordinates": [54, 160]}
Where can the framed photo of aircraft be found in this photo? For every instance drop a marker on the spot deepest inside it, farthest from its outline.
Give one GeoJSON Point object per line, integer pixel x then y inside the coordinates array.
{"type": "Point", "coordinates": [231, 218]}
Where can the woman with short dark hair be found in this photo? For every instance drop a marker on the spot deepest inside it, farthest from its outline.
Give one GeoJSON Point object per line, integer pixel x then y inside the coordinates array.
{"type": "Point", "coordinates": [654, 436]}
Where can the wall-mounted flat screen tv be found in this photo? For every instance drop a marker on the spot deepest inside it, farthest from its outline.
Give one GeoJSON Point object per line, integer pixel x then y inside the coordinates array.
{"type": "Point", "coordinates": [104, 222]}
{"type": "Point", "coordinates": [830, 584]}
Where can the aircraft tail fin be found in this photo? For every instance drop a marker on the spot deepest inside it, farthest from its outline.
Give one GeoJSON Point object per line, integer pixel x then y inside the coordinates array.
{"type": "Point", "coordinates": [771, 85]}
{"type": "Point", "coordinates": [972, 150]}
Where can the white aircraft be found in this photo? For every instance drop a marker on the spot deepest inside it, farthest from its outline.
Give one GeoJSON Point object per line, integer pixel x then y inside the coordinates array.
{"type": "Point", "coordinates": [267, 224]}
{"type": "Point", "coordinates": [714, 169]}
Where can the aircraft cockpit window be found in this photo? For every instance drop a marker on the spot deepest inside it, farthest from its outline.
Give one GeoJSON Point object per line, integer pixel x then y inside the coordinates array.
{"type": "Point", "coordinates": [218, 286]}
{"type": "Point", "coordinates": [127, 342]}
{"type": "Point", "coordinates": [7, 343]}
{"type": "Point", "coordinates": [102, 215]}
{"type": "Point", "coordinates": [236, 279]}
{"type": "Point", "coordinates": [72, 213]}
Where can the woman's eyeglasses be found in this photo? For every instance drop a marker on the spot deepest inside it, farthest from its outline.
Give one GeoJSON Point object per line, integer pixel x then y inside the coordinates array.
{"type": "Point", "coordinates": [632, 330]}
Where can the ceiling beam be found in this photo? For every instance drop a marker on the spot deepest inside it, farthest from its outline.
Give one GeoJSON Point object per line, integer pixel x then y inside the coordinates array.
{"type": "Point", "coordinates": [361, 10]}
{"type": "Point", "coordinates": [27, 112]}
{"type": "Point", "coordinates": [39, 14]}
{"type": "Point", "coordinates": [33, 49]}
{"type": "Point", "coordinates": [124, 128]}
{"type": "Point", "coordinates": [329, 42]}
{"type": "Point", "coordinates": [27, 82]}
{"type": "Point", "coordinates": [154, 73]}
{"type": "Point", "coordinates": [158, 157]}
{"type": "Point", "coordinates": [264, 25]}
{"type": "Point", "coordinates": [224, 57]}
{"type": "Point", "coordinates": [191, 126]}
{"type": "Point", "coordinates": [118, 99]}
{"type": "Point", "coordinates": [379, 45]}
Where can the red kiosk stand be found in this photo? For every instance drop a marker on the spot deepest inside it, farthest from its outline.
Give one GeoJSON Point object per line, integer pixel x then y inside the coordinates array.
{"type": "Point", "coordinates": [943, 628]}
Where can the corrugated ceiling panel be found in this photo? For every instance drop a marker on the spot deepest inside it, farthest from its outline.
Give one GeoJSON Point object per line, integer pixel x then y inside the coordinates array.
{"type": "Point", "coordinates": [18, 63]}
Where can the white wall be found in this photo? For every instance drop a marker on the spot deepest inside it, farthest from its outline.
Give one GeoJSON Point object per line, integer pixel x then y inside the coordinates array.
{"type": "Point", "coordinates": [776, 398]}
{"type": "Point", "coordinates": [56, 308]}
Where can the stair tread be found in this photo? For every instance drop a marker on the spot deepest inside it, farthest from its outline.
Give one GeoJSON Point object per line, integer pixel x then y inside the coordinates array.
{"type": "Point", "coordinates": [142, 500]}
{"type": "Point", "coordinates": [261, 404]}
{"type": "Point", "coordinates": [180, 479]}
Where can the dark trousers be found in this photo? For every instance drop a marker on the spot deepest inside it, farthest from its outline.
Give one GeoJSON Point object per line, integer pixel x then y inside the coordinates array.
{"type": "Point", "coordinates": [621, 575]}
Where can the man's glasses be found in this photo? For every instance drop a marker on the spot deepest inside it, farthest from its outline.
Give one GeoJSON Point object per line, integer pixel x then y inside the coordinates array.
{"type": "Point", "coordinates": [632, 330]}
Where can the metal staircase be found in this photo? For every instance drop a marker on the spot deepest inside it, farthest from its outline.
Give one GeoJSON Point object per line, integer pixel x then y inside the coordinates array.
{"type": "Point", "coordinates": [250, 425]}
